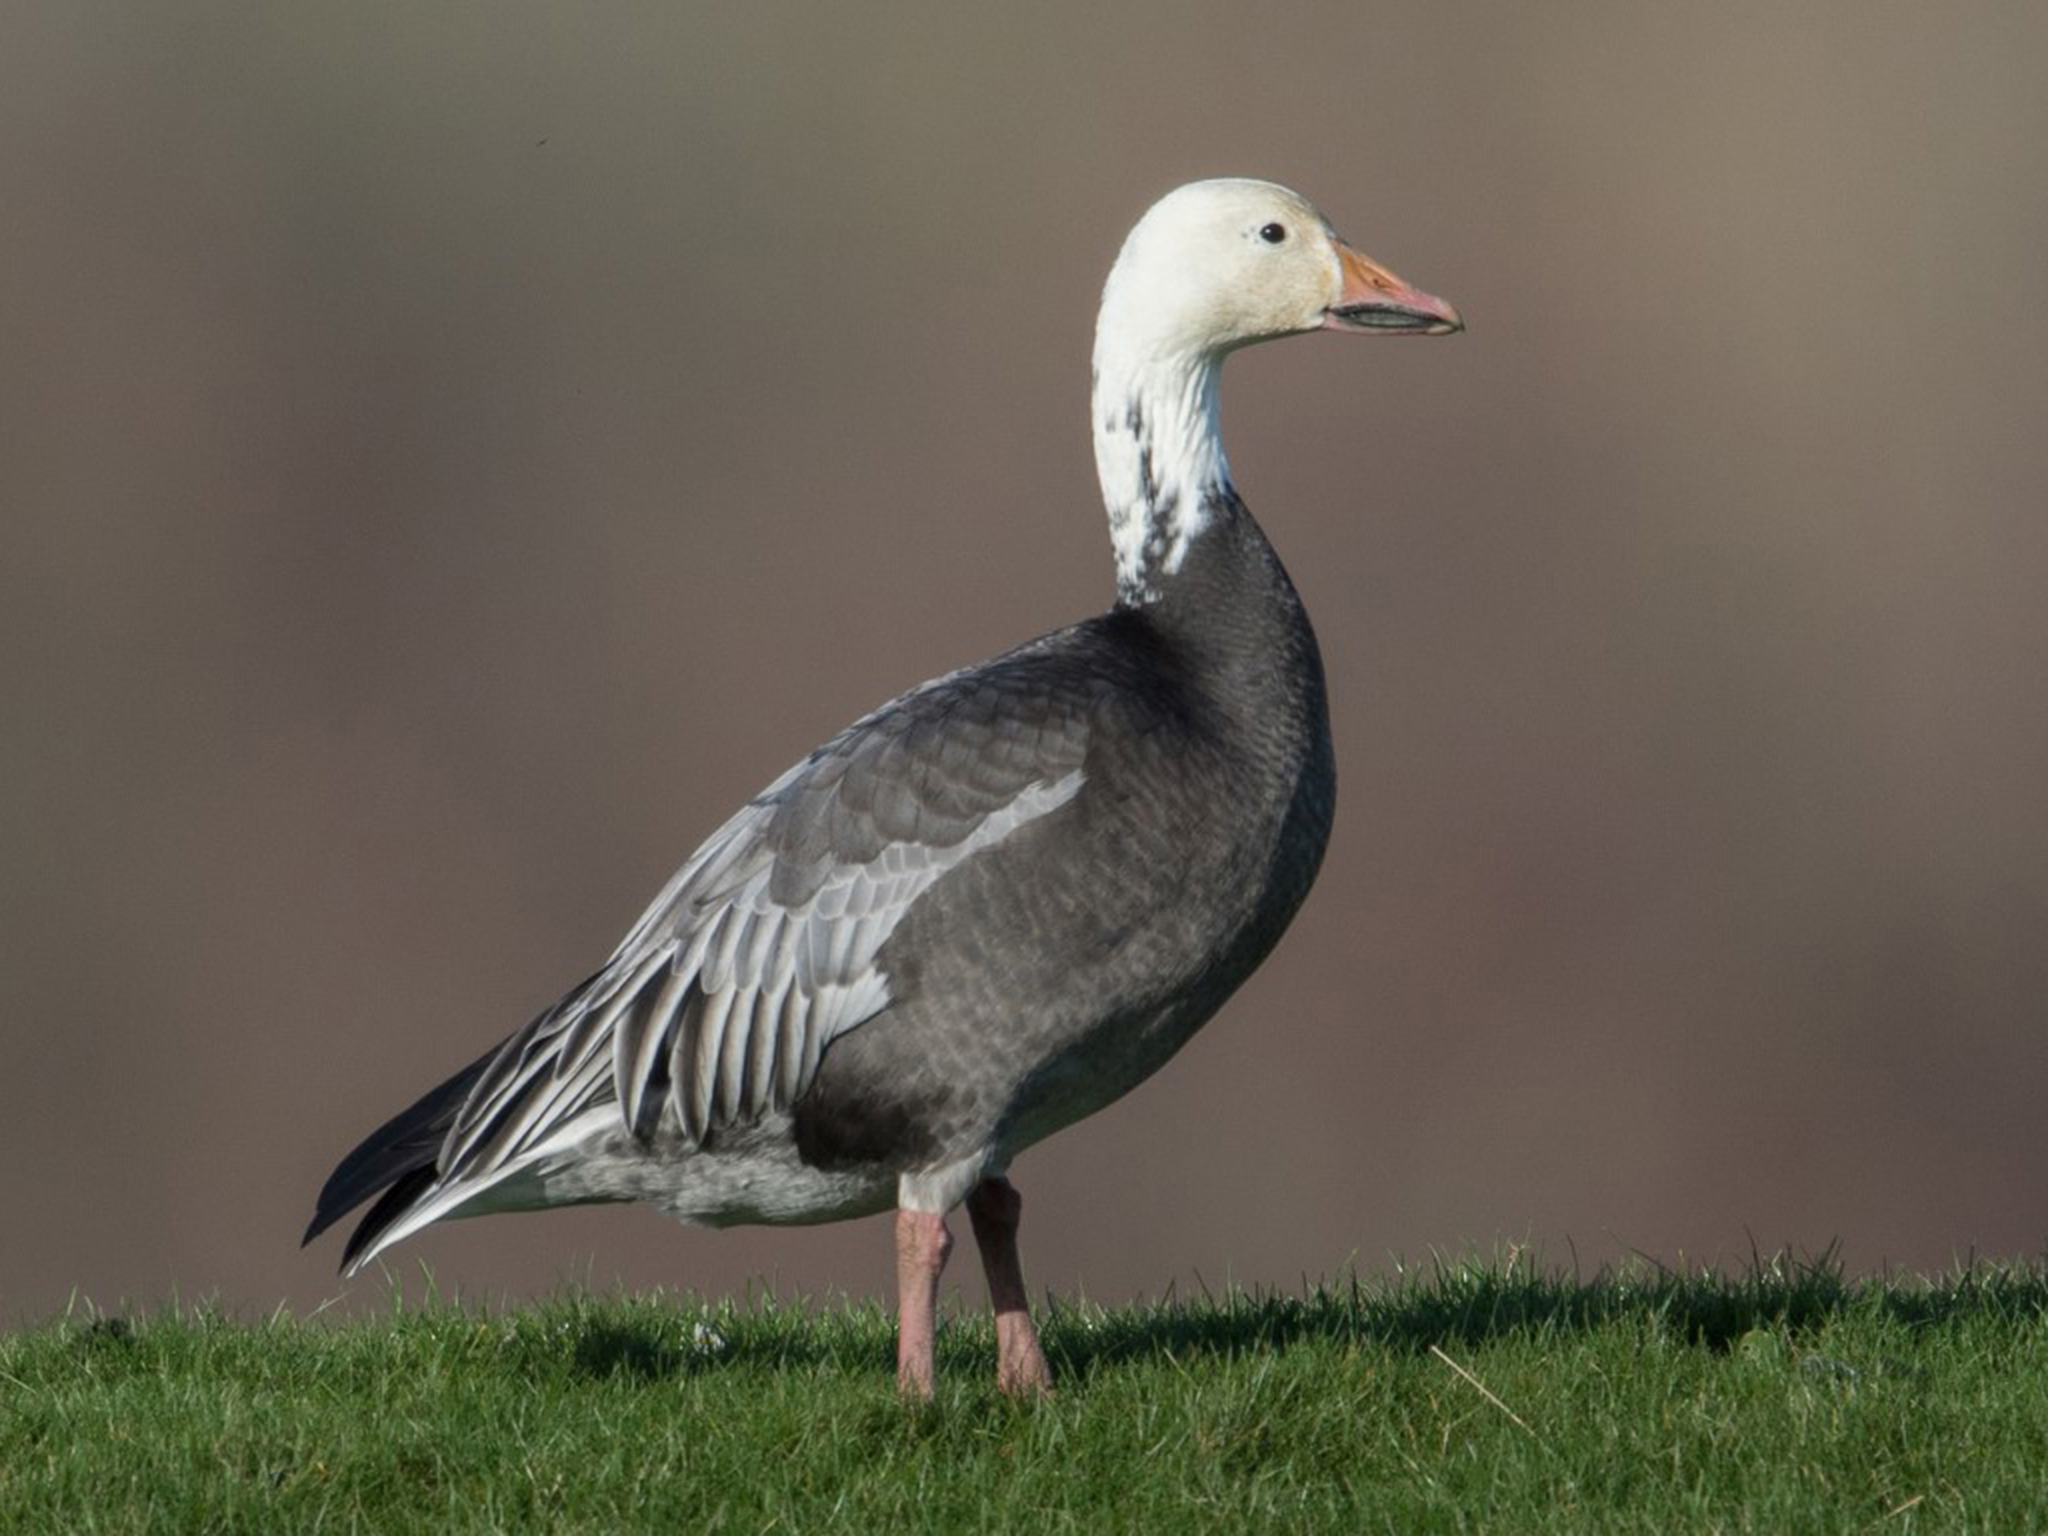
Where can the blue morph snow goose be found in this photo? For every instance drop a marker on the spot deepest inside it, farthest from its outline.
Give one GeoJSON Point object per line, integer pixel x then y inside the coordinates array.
{"type": "Point", "coordinates": [992, 906]}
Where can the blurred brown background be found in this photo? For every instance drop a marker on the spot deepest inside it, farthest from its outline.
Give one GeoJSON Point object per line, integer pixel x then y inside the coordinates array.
{"type": "Point", "coordinates": [451, 455]}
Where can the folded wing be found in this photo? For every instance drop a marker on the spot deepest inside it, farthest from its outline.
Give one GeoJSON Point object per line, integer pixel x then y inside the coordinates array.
{"type": "Point", "coordinates": [719, 1004]}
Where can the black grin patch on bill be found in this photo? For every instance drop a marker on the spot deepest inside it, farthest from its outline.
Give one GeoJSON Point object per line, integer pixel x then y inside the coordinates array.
{"type": "Point", "coordinates": [1390, 317]}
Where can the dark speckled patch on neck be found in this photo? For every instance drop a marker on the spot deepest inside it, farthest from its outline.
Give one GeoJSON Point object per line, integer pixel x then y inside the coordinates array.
{"type": "Point", "coordinates": [1157, 507]}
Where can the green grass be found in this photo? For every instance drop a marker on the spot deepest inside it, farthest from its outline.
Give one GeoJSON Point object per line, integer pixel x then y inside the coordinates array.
{"type": "Point", "coordinates": [1472, 1397]}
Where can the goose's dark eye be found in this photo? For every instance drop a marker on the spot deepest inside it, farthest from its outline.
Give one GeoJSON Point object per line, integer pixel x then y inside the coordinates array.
{"type": "Point", "coordinates": [1273, 234]}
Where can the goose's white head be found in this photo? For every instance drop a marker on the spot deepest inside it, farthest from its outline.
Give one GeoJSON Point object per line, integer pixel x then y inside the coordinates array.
{"type": "Point", "coordinates": [1217, 265]}
{"type": "Point", "coordinates": [1214, 266]}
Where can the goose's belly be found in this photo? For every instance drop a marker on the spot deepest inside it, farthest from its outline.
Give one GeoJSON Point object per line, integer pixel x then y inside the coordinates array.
{"type": "Point", "coordinates": [748, 1176]}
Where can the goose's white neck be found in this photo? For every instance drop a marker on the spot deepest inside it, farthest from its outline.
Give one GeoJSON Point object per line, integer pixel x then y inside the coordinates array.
{"type": "Point", "coordinates": [1159, 456]}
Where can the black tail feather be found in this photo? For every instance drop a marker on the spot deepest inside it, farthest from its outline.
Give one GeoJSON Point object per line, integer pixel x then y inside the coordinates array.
{"type": "Point", "coordinates": [400, 1153]}
{"type": "Point", "coordinates": [394, 1203]}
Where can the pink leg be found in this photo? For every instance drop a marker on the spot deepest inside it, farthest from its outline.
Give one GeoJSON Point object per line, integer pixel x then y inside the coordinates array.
{"type": "Point", "coordinates": [922, 1244]}
{"type": "Point", "coordinates": [995, 1208]}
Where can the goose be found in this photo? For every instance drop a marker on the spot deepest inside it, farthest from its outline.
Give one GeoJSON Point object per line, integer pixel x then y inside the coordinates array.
{"type": "Point", "coordinates": [992, 906]}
